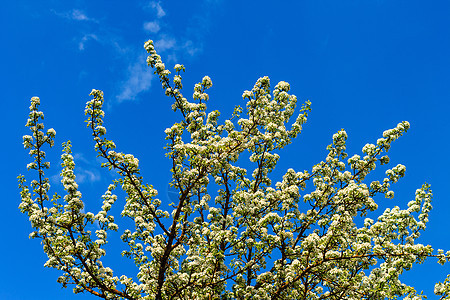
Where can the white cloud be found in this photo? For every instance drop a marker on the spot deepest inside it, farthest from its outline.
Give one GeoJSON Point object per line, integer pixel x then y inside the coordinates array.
{"type": "Point", "coordinates": [152, 26]}
{"type": "Point", "coordinates": [157, 6]}
{"type": "Point", "coordinates": [77, 157]}
{"type": "Point", "coordinates": [139, 80]}
{"type": "Point", "coordinates": [182, 44]}
{"type": "Point", "coordinates": [165, 43]}
{"type": "Point", "coordinates": [192, 48]}
{"type": "Point", "coordinates": [187, 43]}
{"type": "Point", "coordinates": [85, 171]}
{"type": "Point", "coordinates": [86, 176]}
{"type": "Point", "coordinates": [79, 15]}
{"type": "Point", "coordinates": [55, 179]}
{"type": "Point", "coordinates": [75, 14]}
{"type": "Point", "coordinates": [84, 39]}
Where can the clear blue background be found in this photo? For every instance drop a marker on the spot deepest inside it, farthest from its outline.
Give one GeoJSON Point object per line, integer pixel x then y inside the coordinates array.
{"type": "Point", "coordinates": [365, 66]}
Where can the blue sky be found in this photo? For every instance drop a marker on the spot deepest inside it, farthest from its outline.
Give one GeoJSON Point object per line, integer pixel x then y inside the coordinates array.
{"type": "Point", "coordinates": [365, 66]}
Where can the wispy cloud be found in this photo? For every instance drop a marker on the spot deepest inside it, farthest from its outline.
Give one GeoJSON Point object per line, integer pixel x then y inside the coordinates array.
{"type": "Point", "coordinates": [84, 39]}
{"type": "Point", "coordinates": [165, 42]}
{"type": "Point", "coordinates": [152, 27]}
{"type": "Point", "coordinates": [79, 15]}
{"type": "Point", "coordinates": [156, 5]}
{"type": "Point", "coordinates": [192, 48]}
{"type": "Point", "coordinates": [86, 171]}
{"type": "Point", "coordinates": [139, 78]}
{"type": "Point", "coordinates": [74, 14]}
{"type": "Point", "coordinates": [87, 176]}
{"type": "Point", "coordinates": [79, 157]}
{"type": "Point", "coordinates": [187, 43]}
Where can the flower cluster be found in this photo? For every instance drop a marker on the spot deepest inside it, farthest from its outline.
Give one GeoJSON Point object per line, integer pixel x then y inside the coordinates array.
{"type": "Point", "coordinates": [232, 233]}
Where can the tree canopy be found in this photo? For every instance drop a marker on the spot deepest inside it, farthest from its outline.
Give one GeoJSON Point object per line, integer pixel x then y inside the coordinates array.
{"type": "Point", "coordinates": [232, 233]}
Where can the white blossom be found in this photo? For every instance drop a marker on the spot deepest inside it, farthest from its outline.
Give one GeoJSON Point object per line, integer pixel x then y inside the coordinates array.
{"type": "Point", "coordinates": [231, 232]}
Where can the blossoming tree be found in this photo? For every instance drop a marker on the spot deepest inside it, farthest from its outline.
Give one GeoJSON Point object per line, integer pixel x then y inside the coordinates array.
{"type": "Point", "coordinates": [232, 233]}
